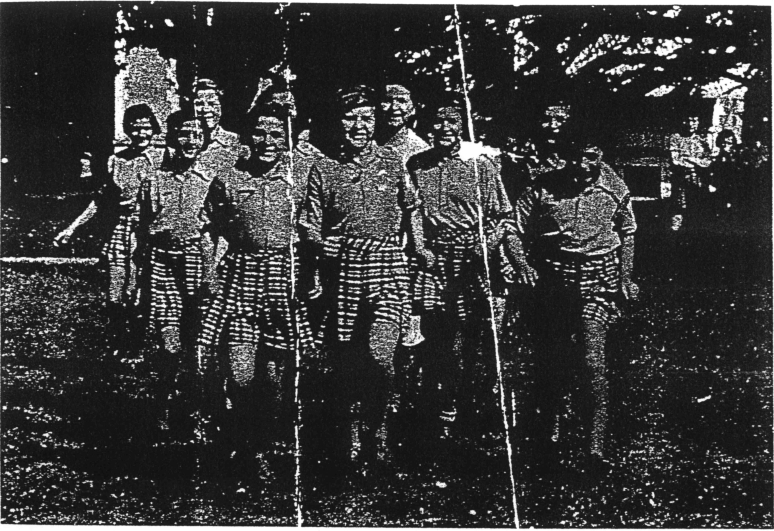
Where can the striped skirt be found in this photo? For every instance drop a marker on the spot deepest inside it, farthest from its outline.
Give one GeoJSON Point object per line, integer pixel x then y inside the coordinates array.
{"type": "Point", "coordinates": [176, 278]}
{"type": "Point", "coordinates": [592, 282]}
{"type": "Point", "coordinates": [119, 250]}
{"type": "Point", "coordinates": [121, 244]}
{"type": "Point", "coordinates": [254, 305]}
{"type": "Point", "coordinates": [371, 284]}
{"type": "Point", "coordinates": [456, 284]}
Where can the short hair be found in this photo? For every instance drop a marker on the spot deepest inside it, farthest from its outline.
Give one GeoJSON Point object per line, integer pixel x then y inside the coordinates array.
{"type": "Point", "coordinates": [206, 84]}
{"type": "Point", "coordinates": [353, 97]}
{"type": "Point", "coordinates": [447, 100]}
{"type": "Point", "coordinates": [139, 112]}
{"type": "Point", "coordinates": [723, 135]}
{"type": "Point", "coordinates": [176, 119]}
{"type": "Point", "coordinates": [444, 101]}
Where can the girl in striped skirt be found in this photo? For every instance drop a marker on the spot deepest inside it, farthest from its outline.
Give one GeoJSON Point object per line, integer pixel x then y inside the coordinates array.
{"type": "Point", "coordinates": [172, 233]}
{"type": "Point", "coordinates": [577, 225]}
{"type": "Point", "coordinates": [357, 207]}
{"type": "Point", "coordinates": [257, 313]}
{"type": "Point", "coordinates": [128, 169]}
{"type": "Point", "coordinates": [462, 197]}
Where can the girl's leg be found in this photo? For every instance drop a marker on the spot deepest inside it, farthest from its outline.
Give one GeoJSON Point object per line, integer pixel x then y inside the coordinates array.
{"type": "Point", "coordinates": [382, 341]}
{"type": "Point", "coordinates": [168, 364]}
{"type": "Point", "coordinates": [595, 335]}
{"type": "Point", "coordinates": [242, 420]}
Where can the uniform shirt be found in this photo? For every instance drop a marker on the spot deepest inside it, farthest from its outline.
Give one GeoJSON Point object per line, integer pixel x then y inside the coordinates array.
{"type": "Point", "coordinates": [222, 153]}
{"type": "Point", "coordinates": [449, 190]}
{"type": "Point", "coordinates": [407, 143]}
{"type": "Point", "coordinates": [684, 148]}
{"type": "Point", "coordinates": [587, 219]}
{"type": "Point", "coordinates": [129, 174]}
{"type": "Point", "coordinates": [172, 203]}
{"type": "Point", "coordinates": [255, 211]}
{"type": "Point", "coordinates": [365, 199]}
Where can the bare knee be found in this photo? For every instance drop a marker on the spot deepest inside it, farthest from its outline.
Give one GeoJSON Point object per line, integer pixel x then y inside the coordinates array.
{"type": "Point", "coordinates": [242, 359]}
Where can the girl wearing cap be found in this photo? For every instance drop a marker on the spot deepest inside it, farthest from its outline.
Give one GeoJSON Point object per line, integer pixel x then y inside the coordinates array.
{"type": "Point", "coordinates": [460, 196]}
{"type": "Point", "coordinates": [577, 226]}
{"type": "Point", "coordinates": [358, 206]}
{"type": "Point", "coordinates": [172, 232]}
{"type": "Point", "coordinates": [256, 311]}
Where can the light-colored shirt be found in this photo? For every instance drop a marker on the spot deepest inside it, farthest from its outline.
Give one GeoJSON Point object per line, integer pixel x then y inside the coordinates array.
{"type": "Point", "coordinates": [172, 203]}
{"type": "Point", "coordinates": [688, 151]}
{"type": "Point", "coordinates": [129, 174]}
{"type": "Point", "coordinates": [449, 189]}
{"type": "Point", "coordinates": [222, 153]}
{"type": "Point", "coordinates": [259, 211]}
{"type": "Point", "coordinates": [562, 215]}
{"type": "Point", "coordinates": [407, 143]}
{"type": "Point", "coordinates": [366, 198]}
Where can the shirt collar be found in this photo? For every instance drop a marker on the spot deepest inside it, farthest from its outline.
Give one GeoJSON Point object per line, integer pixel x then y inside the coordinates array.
{"type": "Point", "coordinates": [402, 136]}
{"type": "Point", "coordinates": [190, 173]}
{"type": "Point", "coordinates": [278, 172]}
{"type": "Point", "coordinates": [368, 154]}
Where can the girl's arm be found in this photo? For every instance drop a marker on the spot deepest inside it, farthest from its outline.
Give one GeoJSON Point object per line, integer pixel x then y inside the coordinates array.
{"type": "Point", "coordinates": [64, 237]}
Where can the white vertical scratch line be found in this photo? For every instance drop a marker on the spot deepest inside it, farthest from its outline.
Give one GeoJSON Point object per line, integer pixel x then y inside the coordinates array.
{"type": "Point", "coordinates": [481, 235]}
{"type": "Point", "coordinates": [294, 304]}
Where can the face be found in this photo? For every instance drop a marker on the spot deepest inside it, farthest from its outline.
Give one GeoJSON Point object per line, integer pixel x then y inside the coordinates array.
{"type": "Point", "coordinates": [269, 139]}
{"type": "Point", "coordinates": [140, 132]}
{"type": "Point", "coordinates": [397, 108]}
{"type": "Point", "coordinates": [727, 144]}
{"type": "Point", "coordinates": [447, 128]}
{"type": "Point", "coordinates": [207, 107]}
{"type": "Point", "coordinates": [554, 119]}
{"type": "Point", "coordinates": [359, 125]}
{"type": "Point", "coordinates": [589, 161]}
{"type": "Point", "coordinates": [554, 123]}
{"type": "Point", "coordinates": [692, 124]}
{"type": "Point", "coordinates": [190, 137]}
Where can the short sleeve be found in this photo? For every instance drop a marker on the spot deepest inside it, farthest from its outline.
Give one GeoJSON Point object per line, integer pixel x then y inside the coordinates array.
{"type": "Point", "coordinates": [409, 192]}
{"type": "Point", "coordinates": [497, 203]}
{"type": "Point", "coordinates": [311, 214]}
{"type": "Point", "coordinates": [624, 221]}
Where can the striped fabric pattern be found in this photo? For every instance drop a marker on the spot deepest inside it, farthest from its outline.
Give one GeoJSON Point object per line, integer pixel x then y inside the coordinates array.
{"type": "Point", "coordinates": [119, 247]}
{"type": "Point", "coordinates": [373, 274]}
{"type": "Point", "coordinates": [596, 279]}
{"type": "Point", "coordinates": [457, 282]}
{"type": "Point", "coordinates": [176, 275]}
{"type": "Point", "coordinates": [119, 250]}
{"type": "Point", "coordinates": [253, 305]}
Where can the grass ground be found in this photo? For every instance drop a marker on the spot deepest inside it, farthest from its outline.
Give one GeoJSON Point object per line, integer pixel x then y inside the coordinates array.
{"type": "Point", "coordinates": [691, 418]}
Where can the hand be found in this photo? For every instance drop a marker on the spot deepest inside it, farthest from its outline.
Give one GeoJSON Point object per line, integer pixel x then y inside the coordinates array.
{"type": "Point", "coordinates": [526, 274]}
{"type": "Point", "coordinates": [505, 226]}
{"type": "Point", "coordinates": [426, 257]}
{"type": "Point", "coordinates": [630, 290]}
{"type": "Point", "coordinates": [63, 238]}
